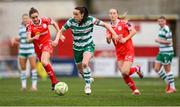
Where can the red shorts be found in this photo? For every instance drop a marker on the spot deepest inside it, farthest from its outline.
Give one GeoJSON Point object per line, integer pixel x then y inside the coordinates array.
{"type": "Point", "coordinates": [47, 47]}
{"type": "Point", "coordinates": [128, 56]}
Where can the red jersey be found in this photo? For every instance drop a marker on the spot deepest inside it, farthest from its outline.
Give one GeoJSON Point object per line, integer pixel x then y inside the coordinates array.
{"type": "Point", "coordinates": [42, 30]}
{"type": "Point", "coordinates": [123, 28]}
{"type": "Point", "coordinates": [123, 51]}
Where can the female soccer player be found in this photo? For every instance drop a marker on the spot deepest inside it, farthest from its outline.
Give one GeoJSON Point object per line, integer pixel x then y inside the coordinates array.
{"type": "Point", "coordinates": [83, 45]}
{"type": "Point", "coordinates": [38, 33]}
{"type": "Point", "coordinates": [165, 55]}
{"type": "Point", "coordinates": [124, 49]}
{"type": "Point", "coordinates": [26, 52]}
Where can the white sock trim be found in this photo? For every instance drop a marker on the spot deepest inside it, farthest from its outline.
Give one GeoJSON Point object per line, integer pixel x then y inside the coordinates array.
{"type": "Point", "coordinates": [34, 78]}
{"type": "Point", "coordinates": [23, 79]}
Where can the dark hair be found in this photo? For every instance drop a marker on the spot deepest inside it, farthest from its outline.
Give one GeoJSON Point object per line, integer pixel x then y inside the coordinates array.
{"type": "Point", "coordinates": [32, 10]}
{"type": "Point", "coordinates": [162, 17]}
{"type": "Point", "coordinates": [83, 10]}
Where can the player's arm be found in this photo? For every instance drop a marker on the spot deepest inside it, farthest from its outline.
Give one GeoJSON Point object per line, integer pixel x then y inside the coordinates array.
{"type": "Point", "coordinates": [31, 39]}
{"type": "Point", "coordinates": [108, 37]}
{"type": "Point", "coordinates": [66, 26]}
{"type": "Point", "coordinates": [167, 40]}
{"type": "Point", "coordinates": [15, 40]}
{"type": "Point", "coordinates": [108, 40]}
{"type": "Point", "coordinates": [163, 41]}
{"type": "Point", "coordinates": [28, 33]}
{"type": "Point", "coordinates": [61, 32]}
{"type": "Point", "coordinates": [56, 40]}
{"type": "Point", "coordinates": [132, 32]}
{"type": "Point", "coordinates": [108, 27]}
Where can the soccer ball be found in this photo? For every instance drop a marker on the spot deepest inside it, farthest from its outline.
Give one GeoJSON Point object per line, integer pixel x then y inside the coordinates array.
{"type": "Point", "coordinates": [61, 88]}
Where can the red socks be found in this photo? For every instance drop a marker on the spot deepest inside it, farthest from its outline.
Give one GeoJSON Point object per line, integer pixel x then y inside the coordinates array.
{"type": "Point", "coordinates": [132, 70]}
{"type": "Point", "coordinates": [128, 80]}
{"type": "Point", "coordinates": [51, 73]}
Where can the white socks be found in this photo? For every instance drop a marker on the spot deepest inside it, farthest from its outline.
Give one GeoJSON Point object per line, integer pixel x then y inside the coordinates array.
{"type": "Point", "coordinates": [34, 78]}
{"type": "Point", "coordinates": [162, 75]}
{"type": "Point", "coordinates": [170, 78]}
{"type": "Point", "coordinates": [23, 79]}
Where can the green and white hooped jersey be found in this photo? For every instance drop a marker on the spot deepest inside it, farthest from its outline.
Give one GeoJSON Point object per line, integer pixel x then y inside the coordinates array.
{"type": "Point", "coordinates": [24, 47]}
{"type": "Point", "coordinates": [82, 34]}
{"type": "Point", "coordinates": [165, 33]}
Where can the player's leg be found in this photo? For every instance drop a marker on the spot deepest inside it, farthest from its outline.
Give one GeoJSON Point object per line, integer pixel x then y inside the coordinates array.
{"type": "Point", "coordinates": [87, 71]}
{"type": "Point", "coordinates": [157, 67]}
{"type": "Point", "coordinates": [45, 60]}
{"type": "Point", "coordinates": [124, 67]}
{"type": "Point", "coordinates": [133, 69]}
{"type": "Point", "coordinates": [32, 60]}
{"type": "Point", "coordinates": [22, 64]}
{"type": "Point", "coordinates": [78, 59]}
{"type": "Point", "coordinates": [170, 76]}
{"type": "Point", "coordinates": [80, 69]}
{"type": "Point", "coordinates": [127, 79]}
{"type": "Point", "coordinates": [136, 69]}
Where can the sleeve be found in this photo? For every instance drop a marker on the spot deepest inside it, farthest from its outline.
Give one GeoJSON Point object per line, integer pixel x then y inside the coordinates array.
{"type": "Point", "coordinates": [128, 26]}
{"type": "Point", "coordinates": [96, 21]}
{"type": "Point", "coordinates": [67, 25]}
{"type": "Point", "coordinates": [19, 30]}
{"type": "Point", "coordinates": [48, 20]}
{"type": "Point", "coordinates": [168, 35]}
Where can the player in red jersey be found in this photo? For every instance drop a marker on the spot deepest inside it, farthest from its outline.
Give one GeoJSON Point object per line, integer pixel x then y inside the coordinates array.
{"type": "Point", "coordinates": [124, 49]}
{"type": "Point", "coordinates": [38, 33]}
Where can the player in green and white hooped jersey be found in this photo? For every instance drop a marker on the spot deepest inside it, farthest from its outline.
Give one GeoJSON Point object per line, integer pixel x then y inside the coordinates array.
{"type": "Point", "coordinates": [81, 25]}
{"type": "Point", "coordinates": [165, 55]}
{"type": "Point", "coordinates": [26, 52]}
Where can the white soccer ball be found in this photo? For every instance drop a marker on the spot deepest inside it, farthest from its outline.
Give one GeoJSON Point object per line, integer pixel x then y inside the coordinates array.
{"type": "Point", "coordinates": [61, 88]}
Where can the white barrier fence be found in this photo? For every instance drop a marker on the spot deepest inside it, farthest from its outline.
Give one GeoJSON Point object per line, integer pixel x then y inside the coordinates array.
{"type": "Point", "coordinates": [102, 67]}
{"type": "Point", "coordinates": [107, 67]}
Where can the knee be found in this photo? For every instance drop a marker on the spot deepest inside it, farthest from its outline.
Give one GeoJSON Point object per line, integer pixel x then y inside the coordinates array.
{"type": "Point", "coordinates": [80, 69]}
{"type": "Point", "coordinates": [44, 62]}
{"type": "Point", "coordinates": [23, 68]}
{"type": "Point", "coordinates": [33, 66]}
{"type": "Point", "coordinates": [156, 69]}
{"type": "Point", "coordinates": [125, 71]}
{"type": "Point", "coordinates": [84, 65]}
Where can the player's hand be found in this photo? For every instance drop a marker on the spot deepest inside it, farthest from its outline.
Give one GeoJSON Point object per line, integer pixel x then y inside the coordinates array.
{"type": "Point", "coordinates": [157, 40]}
{"type": "Point", "coordinates": [116, 38]}
{"type": "Point", "coordinates": [62, 38]}
{"type": "Point", "coordinates": [14, 42]}
{"type": "Point", "coordinates": [36, 37]}
{"type": "Point", "coordinates": [108, 38]}
{"type": "Point", "coordinates": [55, 43]}
{"type": "Point", "coordinates": [123, 40]}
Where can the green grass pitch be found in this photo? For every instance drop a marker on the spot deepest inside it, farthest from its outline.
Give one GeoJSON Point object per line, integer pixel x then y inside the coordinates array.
{"type": "Point", "coordinates": [105, 91]}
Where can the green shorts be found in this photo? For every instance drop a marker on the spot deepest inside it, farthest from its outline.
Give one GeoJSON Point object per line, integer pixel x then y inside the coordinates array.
{"type": "Point", "coordinates": [78, 55]}
{"type": "Point", "coordinates": [164, 58]}
{"type": "Point", "coordinates": [26, 55]}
